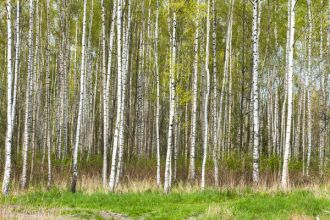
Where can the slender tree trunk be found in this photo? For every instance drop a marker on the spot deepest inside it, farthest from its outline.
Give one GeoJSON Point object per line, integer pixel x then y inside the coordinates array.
{"type": "Point", "coordinates": [81, 101]}
{"type": "Point", "coordinates": [105, 102]}
{"type": "Point", "coordinates": [125, 61]}
{"type": "Point", "coordinates": [119, 99]}
{"type": "Point", "coordinates": [158, 96]}
{"type": "Point", "coordinates": [192, 172]}
{"type": "Point", "coordinates": [285, 171]}
{"type": "Point", "coordinates": [255, 89]}
{"type": "Point", "coordinates": [207, 92]}
{"type": "Point", "coordinates": [323, 104]}
{"type": "Point", "coordinates": [106, 97]}
{"type": "Point", "coordinates": [168, 172]}
{"type": "Point", "coordinates": [9, 130]}
{"type": "Point", "coordinates": [215, 152]}
{"type": "Point", "coordinates": [28, 100]}
{"type": "Point", "coordinates": [49, 179]}
{"type": "Point", "coordinates": [309, 101]}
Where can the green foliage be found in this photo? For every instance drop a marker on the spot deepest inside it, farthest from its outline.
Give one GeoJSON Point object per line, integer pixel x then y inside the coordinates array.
{"type": "Point", "coordinates": [245, 204]}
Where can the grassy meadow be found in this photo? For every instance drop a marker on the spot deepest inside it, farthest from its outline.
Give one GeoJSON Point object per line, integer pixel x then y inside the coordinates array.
{"type": "Point", "coordinates": [179, 204]}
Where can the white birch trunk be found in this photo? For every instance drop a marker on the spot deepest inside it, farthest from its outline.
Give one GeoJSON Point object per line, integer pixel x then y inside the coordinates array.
{"type": "Point", "coordinates": [119, 99]}
{"type": "Point", "coordinates": [192, 172]}
{"type": "Point", "coordinates": [215, 152]}
{"type": "Point", "coordinates": [207, 92]}
{"type": "Point", "coordinates": [309, 75]}
{"type": "Point", "coordinates": [49, 179]}
{"type": "Point", "coordinates": [125, 60]}
{"type": "Point", "coordinates": [106, 97]}
{"type": "Point", "coordinates": [255, 89]}
{"type": "Point", "coordinates": [285, 171]}
{"type": "Point", "coordinates": [81, 102]}
{"type": "Point", "coordinates": [158, 96]}
{"type": "Point", "coordinates": [168, 172]}
{"type": "Point", "coordinates": [9, 129]}
{"type": "Point", "coordinates": [28, 97]}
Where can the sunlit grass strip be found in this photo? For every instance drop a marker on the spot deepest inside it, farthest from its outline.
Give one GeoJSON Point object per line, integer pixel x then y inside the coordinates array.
{"type": "Point", "coordinates": [209, 204]}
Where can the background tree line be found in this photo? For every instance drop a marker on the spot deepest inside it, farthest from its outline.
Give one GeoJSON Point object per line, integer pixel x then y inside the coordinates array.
{"type": "Point", "coordinates": [206, 91]}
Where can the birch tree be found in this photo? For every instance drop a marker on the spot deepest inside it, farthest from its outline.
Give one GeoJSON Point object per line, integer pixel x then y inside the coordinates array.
{"type": "Point", "coordinates": [119, 99]}
{"type": "Point", "coordinates": [207, 54]}
{"type": "Point", "coordinates": [49, 179]}
{"type": "Point", "coordinates": [106, 95]}
{"type": "Point", "coordinates": [9, 130]}
{"type": "Point", "coordinates": [168, 165]}
{"type": "Point", "coordinates": [291, 22]}
{"type": "Point", "coordinates": [81, 101]}
{"type": "Point", "coordinates": [309, 101]}
{"type": "Point", "coordinates": [158, 95]}
{"type": "Point", "coordinates": [255, 89]}
{"type": "Point", "coordinates": [28, 104]}
{"type": "Point", "coordinates": [194, 101]}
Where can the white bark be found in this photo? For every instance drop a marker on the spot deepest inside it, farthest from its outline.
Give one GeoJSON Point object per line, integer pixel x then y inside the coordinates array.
{"type": "Point", "coordinates": [9, 129]}
{"type": "Point", "coordinates": [28, 97]}
{"type": "Point", "coordinates": [255, 89]}
{"type": "Point", "coordinates": [285, 171]}
{"type": "Point", "coordinates": [192, 172]}
{"type": "Point", "coordinates": [49, 179]}
{"type": "Point", "coordinates": [309, 75]}
{"type": "Point", "coordinates": [215, 152]}
{"type": "Point", "coordinates": [119, 99]}
{"type": "Point", "coordinates": [81, 102]}
{"type": "Point", "coordinates": [207, 92]}
{"type": "Point", "coordinates": [158, 96]}
{"type": "Point", "coordinates": [17, 60]}
{"type": "Point", "coordinates": [323, 113]}
{"type": "Point", "coordinates": [168, 172]}
{"type": "Point", "coordinates": [106, 97]}
{"type": "Point", "coordinates": [125, 59]}
{"type": "Point", "coordinates": [105, 103]}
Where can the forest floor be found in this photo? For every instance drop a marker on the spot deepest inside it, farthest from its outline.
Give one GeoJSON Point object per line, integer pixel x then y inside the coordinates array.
{"type": "Point", "coordinates": [208, 204]}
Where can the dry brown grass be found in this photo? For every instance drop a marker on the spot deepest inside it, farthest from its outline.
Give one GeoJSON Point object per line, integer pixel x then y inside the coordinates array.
{"type": "Point", "coordinates": [17, 212]}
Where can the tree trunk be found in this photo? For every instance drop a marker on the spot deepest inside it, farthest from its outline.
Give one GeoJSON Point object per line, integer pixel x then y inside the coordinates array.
{"type": "Point", "coordinates": [285, 171]}
{"type": "Point", "coordinates": [119, 99]}
{"type": "Point", "coordinates": [80, 109]}
{"type": "Point", "coordinates": [207, 92]}
{"type": "Point", "coordinates": [28, 100]}
{"type": "Point", "coordinates": [255, 89]}
{"type": "Point", "coordinates": [168, 167]}
{"type": "Point", "coordinates": [9, 130]}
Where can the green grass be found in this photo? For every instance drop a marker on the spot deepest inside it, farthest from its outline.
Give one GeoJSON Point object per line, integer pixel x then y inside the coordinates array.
{"type": "Point", "coordinates": [209, 204]}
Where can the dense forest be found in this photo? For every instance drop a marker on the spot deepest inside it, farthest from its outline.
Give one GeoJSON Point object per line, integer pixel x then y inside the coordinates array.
{"type": "Point", "coordinates": [210, 93]}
